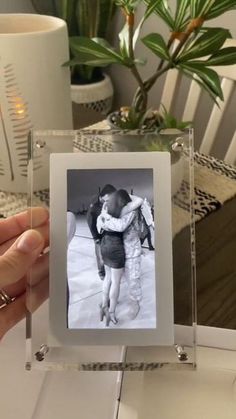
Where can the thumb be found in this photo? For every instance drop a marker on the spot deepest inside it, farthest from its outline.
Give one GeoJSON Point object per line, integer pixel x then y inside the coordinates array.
{"type": "Point", "coordinates": [15, 263]}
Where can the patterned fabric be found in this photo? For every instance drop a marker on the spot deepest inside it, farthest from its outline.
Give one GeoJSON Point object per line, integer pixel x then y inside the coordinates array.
{"type": "Point", "coordinates": [132, 275]}
{"type": "Point", "coordinates": [11, 203]}
{"type": "Point", "coordinates": [218, 166]}
{"type": "Point", "coordinates": [203, 204]}
{"type": "Point", "coordinates": [131, 238]}
{"type": "Point", "coordinates": [214, 184]}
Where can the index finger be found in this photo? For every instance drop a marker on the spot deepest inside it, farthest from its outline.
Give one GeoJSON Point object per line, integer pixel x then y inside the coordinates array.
{"type": "Point", "coordinates": [17, 224]}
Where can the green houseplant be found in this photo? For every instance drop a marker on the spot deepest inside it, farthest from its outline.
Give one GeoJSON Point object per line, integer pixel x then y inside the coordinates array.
{"type": "Point", "coordinates": [192, 47]}
{"type": "Point", "coordinates": [90, 86]}
{"type": "Point", "coordinates": [86, 18]}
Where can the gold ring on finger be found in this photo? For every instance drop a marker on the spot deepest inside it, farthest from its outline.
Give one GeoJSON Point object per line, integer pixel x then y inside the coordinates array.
{"type": "Point", "coordinates": [5, 299]}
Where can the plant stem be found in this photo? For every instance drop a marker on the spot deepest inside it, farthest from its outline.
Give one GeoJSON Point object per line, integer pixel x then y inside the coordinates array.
{"type": "Point", "coordinates": [133, 68]}
{"type": "Point", "coordinates": [158, 73]}
{"type": "Point", "coordinates": [94, 16]}
{"type": "Point", "coordinates": [170, 42]}
{"type": "Point", "coordinates": [159, 68]}
{"type": "Point", "coordinates": [149, 83]}
{"type": "Point", "coordinates": [152, 80]}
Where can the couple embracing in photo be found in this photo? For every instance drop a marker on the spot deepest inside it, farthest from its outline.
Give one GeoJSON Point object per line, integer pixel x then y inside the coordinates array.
{"type": "Point", "coordinates": [119, 223]}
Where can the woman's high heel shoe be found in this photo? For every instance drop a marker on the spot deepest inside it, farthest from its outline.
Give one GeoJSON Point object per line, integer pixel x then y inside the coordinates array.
{"type": "Point", "coordinates": [110, 317]}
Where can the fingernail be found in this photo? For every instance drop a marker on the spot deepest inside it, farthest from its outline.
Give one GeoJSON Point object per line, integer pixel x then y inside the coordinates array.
{"type": "Point", "coordinates": [29, 241]}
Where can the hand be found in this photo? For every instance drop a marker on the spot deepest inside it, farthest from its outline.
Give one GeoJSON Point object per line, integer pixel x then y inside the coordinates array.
{"type": "Point", "coordinates": [104, 215]}
{"type": "Point", "coordinates": [20, 249]}
{"type": "Point", "coordinates": [104, 207]}
{"type": "Point", "coordinates": [152, 225]}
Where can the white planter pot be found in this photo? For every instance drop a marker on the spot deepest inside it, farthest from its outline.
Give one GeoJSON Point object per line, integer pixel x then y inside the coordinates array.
{"type": "Point", "coordinates": [34, 89]}
{"type": "Point", "coordinates": [97, 96]}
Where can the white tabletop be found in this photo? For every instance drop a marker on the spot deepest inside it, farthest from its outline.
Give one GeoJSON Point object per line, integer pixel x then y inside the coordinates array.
{"type": "Point", "coordinates": [50, 395]}
{"type": "Point", "coordinates": [208, 393]}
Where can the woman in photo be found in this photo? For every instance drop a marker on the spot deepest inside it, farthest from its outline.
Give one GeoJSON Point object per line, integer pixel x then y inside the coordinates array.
{"type": "Point", "coordinates": [121, 248]}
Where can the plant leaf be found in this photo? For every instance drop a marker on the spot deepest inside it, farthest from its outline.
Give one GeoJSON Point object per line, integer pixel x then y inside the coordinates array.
{"type": "Point", "coordinates": [194, 7]}
{"type": "Point", "coordinates": [220, 7]}
{"type": "Point", "coordinates": [124, 34]}
{"type": "Point", "coordinates": [189, 74]}
{"type": "Point", "coordinates": [199, 8]}
{"type": "Point", "coordinates": [205, 7]}
{"type": "Point", "coordinates": [88, 51]}
{"type": "Point", "coordinates": [210, 41]}
{"type": "Point", "coordinates": [208, 77]}
{"type": "Point", "coordinates": [124, 41]}
{"type": "Point", "coordinates": [225, 56]}
{"type": "Point", "coordinates": [182, 15]}
{"type": "Point", "coordinates": [124, 38]}
{"type": "Point", "coordinates": [162, 9]}
{"type": "Point", "coordinates": [156, 44]}
{"type": "Point", "coordinates": [140, 61]}
{"type": "Point", "coordinates": [67, 8]}
{"type": "Point", "coordinates": [128, 5]}
{"type": "Point", "coordinates": [107, 9]}
{"type": "Point", "coordinates": [86, 18]}
{"type": "Point", "coordinates": [103, 42]}
{"type": "Point", "coordinates": [149, 11]}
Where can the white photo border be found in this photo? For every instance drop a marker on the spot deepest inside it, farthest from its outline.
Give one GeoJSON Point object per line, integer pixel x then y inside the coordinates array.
{"type": "Point", "coordinates": [159, 162]}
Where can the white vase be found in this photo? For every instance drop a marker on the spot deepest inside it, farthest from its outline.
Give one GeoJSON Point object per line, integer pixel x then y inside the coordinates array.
{"type": "Point", "coordinates": [34, 89]}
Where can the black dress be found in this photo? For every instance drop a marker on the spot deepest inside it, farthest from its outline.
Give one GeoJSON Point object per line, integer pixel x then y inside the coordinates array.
{"type": "Point", "coordinates": [112, 249]}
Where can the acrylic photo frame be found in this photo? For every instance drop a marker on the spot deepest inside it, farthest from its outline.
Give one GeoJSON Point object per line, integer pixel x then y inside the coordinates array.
{"type": "Point", "coordinates": [88, 351]}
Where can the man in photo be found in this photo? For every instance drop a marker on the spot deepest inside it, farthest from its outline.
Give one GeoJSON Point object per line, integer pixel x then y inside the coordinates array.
{"type": "Point", "coordinates": [94, 211]}
{"type": "Point", "coordinates": [147, 224]}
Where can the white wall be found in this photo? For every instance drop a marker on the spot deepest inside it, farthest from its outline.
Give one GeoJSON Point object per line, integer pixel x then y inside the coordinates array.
{"type": "Point", "coordinates": [83, 185]}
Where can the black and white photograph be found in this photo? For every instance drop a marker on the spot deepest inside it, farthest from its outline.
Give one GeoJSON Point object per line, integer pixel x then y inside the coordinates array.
{"type": "Point", "coordinates": [111, 279]}
{"type": "Point", "coordinates": [111, 249]}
